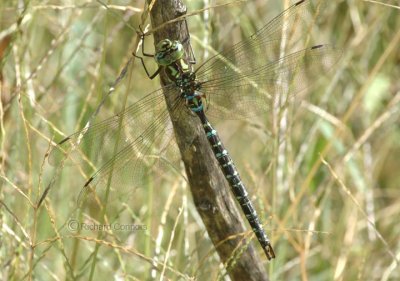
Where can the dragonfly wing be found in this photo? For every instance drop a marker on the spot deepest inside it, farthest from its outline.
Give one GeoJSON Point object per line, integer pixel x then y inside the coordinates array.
{"type": "Point", "coordinates": [246, 94]}
{"type": "Point", "coordinates": [263, 58]}
{"type": "Point", "coordinates": [95, 140]}
{"type": "Point", "coordinates": [120, 151]}
{"type": "Point", "coordinates": [289, 31]}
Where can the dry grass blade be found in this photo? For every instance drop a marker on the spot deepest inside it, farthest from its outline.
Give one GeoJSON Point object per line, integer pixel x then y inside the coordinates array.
{"type": "Point", "coordinates": [318, 150]}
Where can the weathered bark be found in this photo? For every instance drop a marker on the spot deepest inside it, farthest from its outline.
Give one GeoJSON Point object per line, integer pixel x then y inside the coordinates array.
{"type": "Point", "coordinates": [210, 190]}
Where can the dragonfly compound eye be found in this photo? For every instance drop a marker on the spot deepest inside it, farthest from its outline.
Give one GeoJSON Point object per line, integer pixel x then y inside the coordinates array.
{"type": "Point", "coordinates": [163, 45]}
{"type": "Point", "coordinates": [168, 51]}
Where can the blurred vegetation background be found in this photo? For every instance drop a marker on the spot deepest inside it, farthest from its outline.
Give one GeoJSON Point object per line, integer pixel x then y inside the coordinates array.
{"type": "Point", "coordinates": [327, 187]}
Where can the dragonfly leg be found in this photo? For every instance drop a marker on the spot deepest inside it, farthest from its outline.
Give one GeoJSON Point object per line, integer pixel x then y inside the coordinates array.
{"type": "Point", "coordinates": [151, 76]}
{"type": "Point", "coordinates": [142, 36]}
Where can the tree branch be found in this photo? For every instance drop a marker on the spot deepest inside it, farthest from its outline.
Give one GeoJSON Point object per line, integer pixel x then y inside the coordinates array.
{"type": "Point", "coordinates": [210, 190]}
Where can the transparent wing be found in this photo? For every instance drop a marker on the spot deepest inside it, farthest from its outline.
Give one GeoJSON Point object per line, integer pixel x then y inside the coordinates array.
{"type": "Point", "coordinates": [120, 152]}
{"type": "Point", "coordinates": [248, 94]}
{"type": "Point", "coordinates": [256, 69]}
{"type": "Point", "coordinates": [287, 31]}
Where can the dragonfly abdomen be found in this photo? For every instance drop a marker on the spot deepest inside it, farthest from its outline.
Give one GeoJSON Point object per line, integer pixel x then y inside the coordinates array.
{"type": "Point", "coordinates": [232, 176]}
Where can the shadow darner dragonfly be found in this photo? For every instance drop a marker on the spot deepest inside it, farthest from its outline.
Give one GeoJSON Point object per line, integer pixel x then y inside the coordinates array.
{"type": "Point", "coordinates": [243, 80]}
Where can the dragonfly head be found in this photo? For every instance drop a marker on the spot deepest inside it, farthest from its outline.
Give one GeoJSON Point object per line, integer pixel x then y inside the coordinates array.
{"type": "Point", "coordinates": [168, 51]}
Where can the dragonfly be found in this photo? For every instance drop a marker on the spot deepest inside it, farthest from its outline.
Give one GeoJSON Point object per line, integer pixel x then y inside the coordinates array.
{"type": "Point", "coordinates": [243, 80]}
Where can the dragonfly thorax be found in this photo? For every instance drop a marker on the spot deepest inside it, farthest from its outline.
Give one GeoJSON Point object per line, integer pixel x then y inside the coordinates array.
{"type": "Point", "coordinates": [170, 56]}
{"type": "Point", "coordinates": [187, 81]}
{"type": "Point", "coordinates": [189, 88]}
